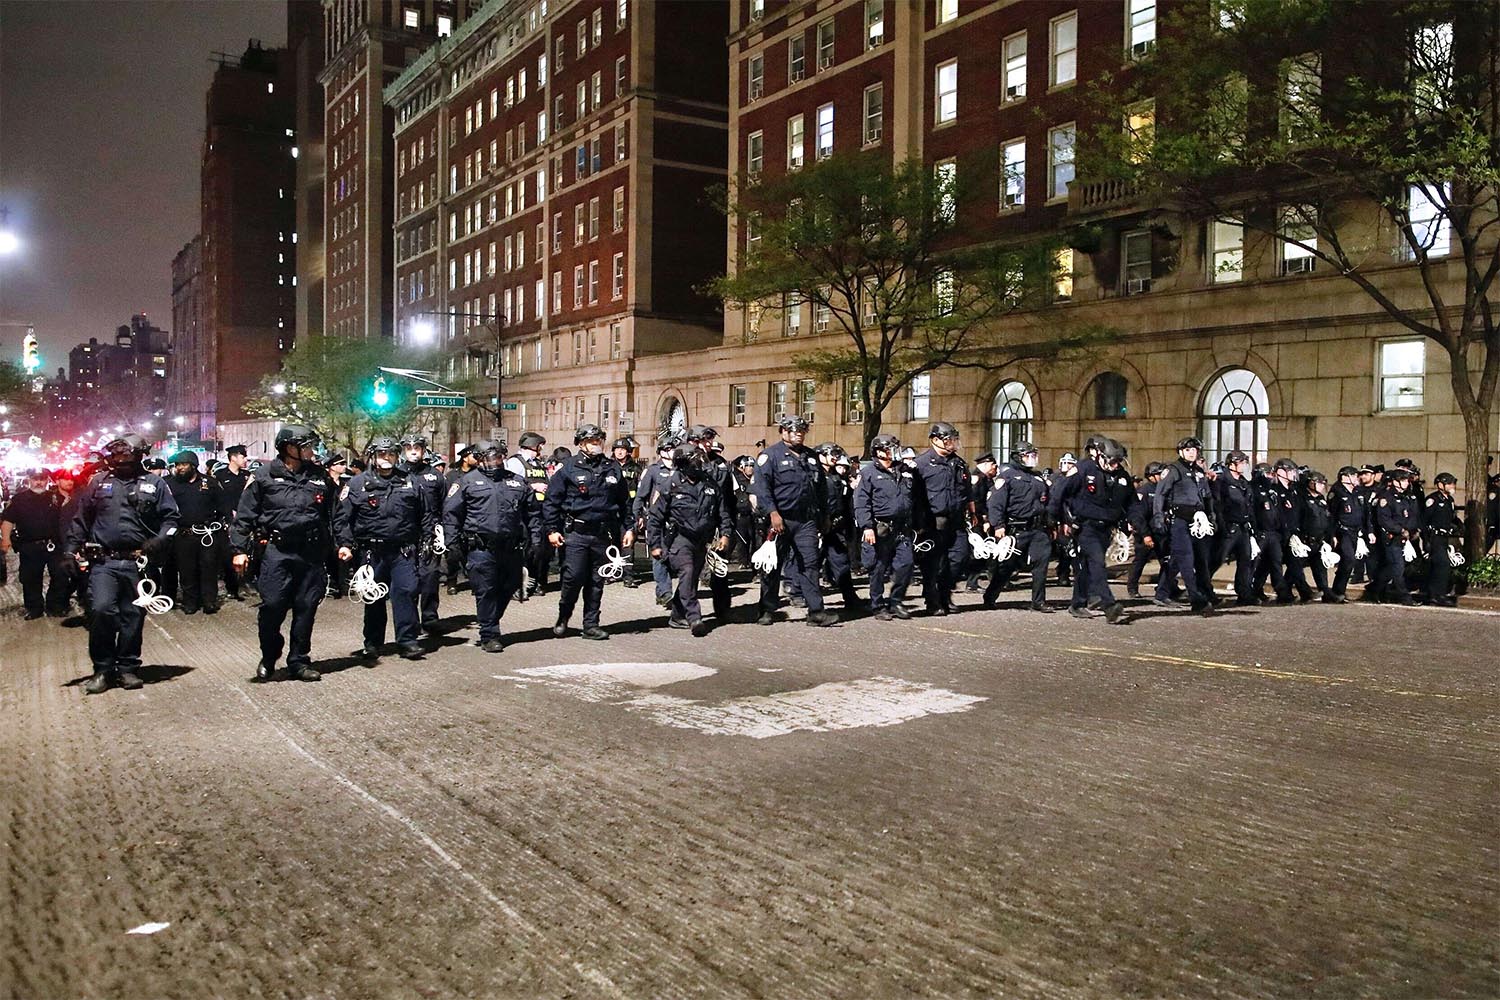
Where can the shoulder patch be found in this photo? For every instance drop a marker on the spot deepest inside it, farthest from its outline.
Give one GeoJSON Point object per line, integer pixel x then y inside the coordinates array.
{"type": "Point", "coordinates": [147, 488]}
{"type": "Point", "coordinates": [344, 493]}
{"type": "Point", "coordinates": [762, 459]}
{"type": "Point", "coordinates": [453, 489]}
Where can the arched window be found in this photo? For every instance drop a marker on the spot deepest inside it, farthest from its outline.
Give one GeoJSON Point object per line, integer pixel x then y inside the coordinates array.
{"type": "Point", "coordinates": [673, 417]}
{"type": "Point", "coordinates": [1010, 419]}
{"type": "Point", "coordinates": [1108, 393]}
{"type": "Point", "coordinates": [1233, 416]}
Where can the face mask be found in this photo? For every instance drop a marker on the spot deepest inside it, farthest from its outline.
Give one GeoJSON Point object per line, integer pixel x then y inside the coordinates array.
{"type": "Point", "coordinates": [528, 453]}
{"type": "Point", "coordinates": [1029, 461]}
{"type": "Point", "coordinates": [592, 449]}
{"type": "Point", "coordinates": [384, 464]}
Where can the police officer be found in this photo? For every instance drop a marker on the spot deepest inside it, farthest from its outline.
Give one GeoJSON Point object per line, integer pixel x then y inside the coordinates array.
{"type": "Point", "coordinates": [385, 515]}
{"type": "Point", "coordinates": [789, 489]}
{"type": "Point", "coordinates": [838, 502]}
{"type": "Point", "coordinates": [688, 516]}
{"type": "Point", "coordinates": [888, 504]}
{"type": "Point", "coordinates": [425, 477]}
{"type": "Point", "coordinates": [652, 479]}
{"type": "Point", "coordinates": [1396, 523]}
{"type": "Point", "coordinates": [489, 514]}
{"type": "Point", "coordinates": [289, 503]}
{"type": "Point", "coordinates": [1183, 500]}
{"type": "Point", "coordinates": [231, 477]}
{"type": "Point", "coordinates": [30, 524]}
{"type": "Point", "coordinates": [125, 512]}
{"type": "Point", "coordinates": [466, 462]}
{"type": "Point", "coordinates": [1314, 529]}
{"type": "Point", "coordinates": [196, 548]}
{"type": "Point", "coordinates": [1093, 500]}
{"type": "Point", "coordinates": [1492, 506]}
{"type": "Point", "coordinates": [744, 510]}
{"type": "Point", "coordinates": [1443, 529]}
{"type": "Point", "coordinates": [1017, 508]}
{"type": "Point", "coordinates": [587, 506]}
{"type": "Point", "coordinates": [1348, 505]}
{"type": "Point", "coordinates": [981, 480]}
{"type": "Point", "coordinates": [1064, 545]}
{"type": "Point", "coordinates": [623, 452]}
{"type": "Point", "coordinates": [1138, 513]}
{"type": "Point", "coordinates": [945, 477]}
{"type": "Point", "coordinates": [1235, 500]}
{"type": "Point", "coordinates": [1272, 521]}
{"type": "Point", "coordinates": [531, 466]}
{"type": "Point", "coordinates": [713, 469]}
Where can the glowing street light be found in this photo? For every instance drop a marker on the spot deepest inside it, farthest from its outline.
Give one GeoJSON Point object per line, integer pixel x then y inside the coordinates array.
{"type": "Point", "coordinates": [423, 331]}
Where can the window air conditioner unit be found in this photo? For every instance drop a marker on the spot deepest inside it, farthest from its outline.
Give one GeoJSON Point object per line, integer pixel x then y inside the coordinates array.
{"type": "Point", "coordinates": [1013, 200]}
{"type": "Point", "coordinates": [757, 13]}
{"type": "Point", "coordinates": [1135, 286]}
{"type": "Point", "coordinates": [1141, 50]}
{"type": "Point", "coordinates": [872, 136]}
{"type": "Point", "coordinates": [825, 61]}
{"type": "Point", "coordinates": [798, 74]}
{"type": "Point", "coordinates": [1299, 265]}
{"type": "Point", "coordinates": [1016, 92]}
{"type": "Point", "coordinates": [757, 92]}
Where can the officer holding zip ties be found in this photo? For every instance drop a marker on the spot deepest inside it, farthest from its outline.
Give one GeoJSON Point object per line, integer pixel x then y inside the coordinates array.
{"type": "Point", "coordinates": [1017, 509]}
{"type": "Point", "coordinates": [195, 552]}
{"type": "Point", "coordinates": [588, 502]}
{"type": "Point", "coordinates": [386, 518]}
{"type": "Point", "coordinates": [489, 513]}
{"type": "Point", "coordinates": [288, 503]}
{"type": "Point", "coordinates": [888, 504]}
{"type": "Point", "coordinates": [125, 514]}
{"type": "Point", "coordinates": [701, 440]}
{"type": "Point", "coordinates": [687, 516]}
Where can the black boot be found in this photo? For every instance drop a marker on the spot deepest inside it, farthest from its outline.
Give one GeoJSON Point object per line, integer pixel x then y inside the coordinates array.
{"type": "Point", "coordinates": [97, 684]}
{"type": "Point", "coordinates": [131, 681]}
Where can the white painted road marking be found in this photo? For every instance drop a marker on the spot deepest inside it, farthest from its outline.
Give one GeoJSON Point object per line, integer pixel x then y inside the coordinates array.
{"type": "Point", "coordinates": [151, 928]}
{"type": "Point", "coordinates": [872, 701]}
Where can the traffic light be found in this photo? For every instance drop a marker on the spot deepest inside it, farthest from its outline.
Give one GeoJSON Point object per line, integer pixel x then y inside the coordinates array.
{"type": "Point", "coordinates": [378, 395]}
{"type": "Point", "coordinates": [31, 358]}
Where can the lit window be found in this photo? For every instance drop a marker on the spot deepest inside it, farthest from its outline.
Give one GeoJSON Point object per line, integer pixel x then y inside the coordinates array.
{"type": "Point", "coordinates": [1302, 90]}
{"type": "Point", "coordinates": [945, 89]}
{"type": "Point", "coordinates": [1013, 182]}
{"type": "Point", "coordinates": [874, 113]}
{"type": "Point", "coordinates": [1430, 229]}
{"type": "Point", "coordinates": [617, 289]}
{"type": "Point", "coordinates": [874, 23]}
{"type": "Point", "coordinates": [1140, 27]}
{"type": "Point", "coordinates": [945, 177]}
{"type": "Point", "coordinates": [1299, 240]}
{"type": "Point", "coordinates": [444, 25]}
{"type": "Point", "coordinates": [622, 11]}
{"type": "Point", "coordinates": [757, 75]}
{"type": "Point", "coordinates": [1140, 130]}
{"type": "Point", "coordinates": [1060, 143]}
{"type": "Point", "coordinates": [757, 9]}
{"type": "Point", "coordinates": [1432, 67]}
{"type": "Point", "coordinates": [755, 148]}
{"type": "Point", "coordinates": [1062, 276]}
{"type": "Point", "coordinates": [618, 218]}
{"type": "Point", "coordinates": [1064, 49]}
{"type": "Point", "coordinates": [1228, 245]}
{"type": "Point", "coordinates": [796, 57]}
{"type": "Point", "coordinates": [920, 397]}
{"type": "Point", "coordinates": [794, 140]}
{"type": "Point", "coordinates": [1402, 374]}
{"type": "Point", "coordinates": [1013, 52]}
{"type": "Point", "coordinates": [825, 44]}
{"type": "Point", "coordinates": [947, 10]}
{"type": "Point", "coordinates": [411, 18]}
{"type": "Point", "coordinates": [825, 131]}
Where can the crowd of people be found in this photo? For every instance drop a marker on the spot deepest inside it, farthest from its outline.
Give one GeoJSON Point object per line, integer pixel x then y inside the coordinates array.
{"type": "Point", "coordinates": [132, 534]}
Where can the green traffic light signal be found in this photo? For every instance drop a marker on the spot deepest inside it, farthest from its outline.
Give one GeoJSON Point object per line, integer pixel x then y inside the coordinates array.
{"type": "Point", "coordinates": [378, 395]}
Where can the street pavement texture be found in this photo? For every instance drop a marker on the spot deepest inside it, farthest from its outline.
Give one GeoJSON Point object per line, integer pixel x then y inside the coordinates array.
{"type": "Point", "coordinates": [1275, 802]}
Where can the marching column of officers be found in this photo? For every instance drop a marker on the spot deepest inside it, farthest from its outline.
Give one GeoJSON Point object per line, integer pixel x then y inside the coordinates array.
{"type": "Point", "coordinates": [386, 532]}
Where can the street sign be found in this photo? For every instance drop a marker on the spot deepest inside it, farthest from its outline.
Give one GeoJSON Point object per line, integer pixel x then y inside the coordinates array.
{"type": "Point", "coordinates": [627, 422]}
{"type": "Point", "coordinates": [444, 401]}
{"type": "Point", "coordinates": [507, 406]}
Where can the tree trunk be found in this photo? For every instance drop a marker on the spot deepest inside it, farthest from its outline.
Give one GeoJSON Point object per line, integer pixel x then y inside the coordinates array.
{"type": "Point", "coordinates": [871, 429]}
{"type": "Point", "coordinates": [1476, 482]}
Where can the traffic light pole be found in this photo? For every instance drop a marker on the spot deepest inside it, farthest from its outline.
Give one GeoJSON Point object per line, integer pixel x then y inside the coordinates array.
{"type": "Point", "coordinates": [419, 375]}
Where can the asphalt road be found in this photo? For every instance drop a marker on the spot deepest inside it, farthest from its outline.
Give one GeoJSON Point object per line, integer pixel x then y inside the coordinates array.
{"type": "Point", "coordinates": [1280, 802]}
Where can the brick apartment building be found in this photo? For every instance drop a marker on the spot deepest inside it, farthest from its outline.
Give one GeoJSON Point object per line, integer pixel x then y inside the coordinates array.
{"type": "Point", "coordinates": [552, 203]}
{"type": "Point", "coordinates": [241, 270]}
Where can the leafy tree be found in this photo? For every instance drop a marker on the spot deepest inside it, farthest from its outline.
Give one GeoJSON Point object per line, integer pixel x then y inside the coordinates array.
{"type": "Point", "coordinates": [1359, 133]}
{"type": "Point", "coordinates": [326, 383]}
{"type": "Point", "coordinates": [887, 254]}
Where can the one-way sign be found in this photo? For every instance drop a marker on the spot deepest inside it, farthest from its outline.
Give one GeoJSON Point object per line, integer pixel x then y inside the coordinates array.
{"type": "Point", "coordinates": [443, 401]}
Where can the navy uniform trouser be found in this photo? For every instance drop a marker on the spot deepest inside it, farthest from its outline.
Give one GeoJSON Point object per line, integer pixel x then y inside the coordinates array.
{"type": "Point", "coordinates": [1392, 576]}
{"type": "Point", "coordinates": [1034, 548]}
{"type": "Point", "coordinates": [115, 629]}
{"type": "Point", "coordinates": [290, 580]}
{"type": "Point", "coordinates": [836, 559]}
{"type": "Point", "coordinates": [1269, 565]}
{"type": "Point", "coordinates": [582, 555]}
{"type": "Point", "coordinates": [495, 577]}
{"type": "Point", "coordinates": [541, 559]}
{"type": "Point", "coordinates": [1439, 569]}
{"type": "Point", "coordinates": [950, 547]}
{"type": "Point", "coordinates": [1348, 541]}
{"type": "Point", "coordinates": [797, 557]}
{"type": "Point", "coordinates": [1140, 556]}
{"type": "Point", "coordinates": [1313, 563]}
{"type": "Point", "coordinates": [1236, 543]}
{"type": "Point", "coordinates": [1089, 576]}
{"type": "Point", "coordinates": [36, 560]}
{"type": "Point", "coordinates": [686, 558]}
{"type": "Point", "coordinates": [1188, 560]}
{"type": "Point", "coordinates": [197, 570]}
{"type": "Point", "coordinates": [429, 569]}
{"type": "Point", "coordinates": [402, 573]}
{"type": "Point", "coordinates": [890, 558]}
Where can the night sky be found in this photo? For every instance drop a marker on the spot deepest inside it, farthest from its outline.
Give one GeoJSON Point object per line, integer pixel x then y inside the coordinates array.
{"type": "Point", "coordinates": [101, 122]}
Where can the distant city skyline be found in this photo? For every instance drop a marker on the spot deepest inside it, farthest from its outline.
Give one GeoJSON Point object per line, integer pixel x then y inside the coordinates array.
{"type": "Point", "coordinates": [101, 123]}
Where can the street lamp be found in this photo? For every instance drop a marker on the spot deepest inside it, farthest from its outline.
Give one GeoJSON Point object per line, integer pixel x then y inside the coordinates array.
{"type": "Point", "coordinates": [424, 331]}
{"type": "Point", "coordinates": [9, 241]}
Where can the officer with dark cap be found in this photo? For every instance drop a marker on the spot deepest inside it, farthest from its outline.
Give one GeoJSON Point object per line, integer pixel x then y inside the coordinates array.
{"type": "Point", "coordinates": [888, 504]}
{"type": "Point", "coordinates": [202, 516]}
{"type": "Point", "coordinates": [289, 502]}
{"type": "Point", "coordinates": [981, 480]}
{"type": "Point", "coordinates": [1183, 510]}
{"type": "Point", "coordinates": [1274, 507]}
{"type": "Point", "coordinates": [1138, 514]}
{"type": "Point", "coordinates": [489, 514]}
{"type": "Point", "coordinates": [1234, 500]}
{"type": "Point", "coordinates": [1093, 499]}
{"type": "Point", "coordinates": [686, 518]}
{"type": "Point", "coordinates": [1371, 477]}
{"type": "Point", "coordinates": [652, 479]}
{"type": "Point", "coordinates": [417, 464]}
{"type": "Point", "coordinates": [31, 525]}
{"type": "Point", "coordinates": [587, 507]}
{"type": "Point", "coordinates": [623, 452]}
{"type": "Point", "coordinates": [946, 479]}
{"type": "Point", "coordinates": [1443, 530]}
{"type": "Point", "coordinates": [838, 502]}
{"type": "Point", "coordinates": [125, 512]}
{"type": "Point", "coordinates": [466, 461]}
{"type": "Point", "coordinates": [231, 477]}
{"type": "Point", "coordinates": [385, 518]}
{"type": "Point", "coordinates": [789, 489]}
{"type": "Point", "coordinates": [1016, 508]}
{"type": "Point", "coordinates": [1396, 523]}
{"type": "Point", "coordinates": [529, 463]}
{"type": "Point", "coordinates": [714, 469]}
{"type": "Point", "coordinates": [1347, 504]}
{"type": "Point", "coordinates": [1314, 530]}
